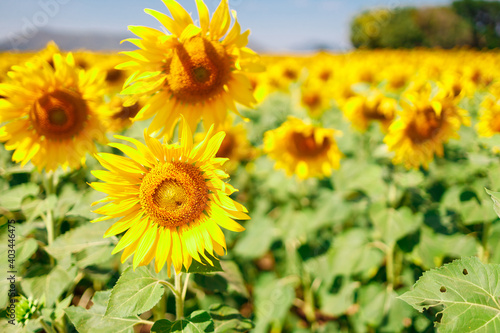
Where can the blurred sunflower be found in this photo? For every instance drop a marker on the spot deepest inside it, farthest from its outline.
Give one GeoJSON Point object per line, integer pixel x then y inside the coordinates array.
{"type": "Point", "coordinates": [303, 149]}
{"type": "Point", "coordinates": [171, 200]}
{"type": "Point", "coordinates": [489, 119]}
{"type": "Point", "coordinates": [235, 145]}
{"type": "Point", "coordinates": [315, 97]}
{"type": "Point", "coordinates": [192, 71]}
{"type": "Point", "coordinates": [425, 123]}
{"type": "Point", "coordinates": [361, 110]}
{"type": "Point", "coordinates": [51, 114]}
{"type": "Point", "coordinates": [117, 116]}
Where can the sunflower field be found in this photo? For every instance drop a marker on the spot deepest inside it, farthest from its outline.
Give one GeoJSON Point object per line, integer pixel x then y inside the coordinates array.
{"type": "Point", "coordinates": [193, 185]}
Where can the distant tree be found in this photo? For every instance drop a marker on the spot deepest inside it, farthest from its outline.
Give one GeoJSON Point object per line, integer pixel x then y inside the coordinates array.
{"type": "Point", "coordinates": [366, 28]}
{"type": "Point", "coordinates": [467, 22]}
{"type": "Point", "coordinates": [484, 18]}
{"type": "Point", "coordinates": [402, 30]}
{"type": "Point", "coordinates": [444, 28]}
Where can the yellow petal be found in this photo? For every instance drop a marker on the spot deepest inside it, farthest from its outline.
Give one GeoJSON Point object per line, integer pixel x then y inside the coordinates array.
{"type": "Point", "coordinates": [123, 224]}
{"type": "Point", "coordinates": [176, 251]}
{"type": "Point", "coordinates": [145, 244]}
{"type": "Point", "coordinates": [220, 20]}
{"type": "Point", "coordinates": [179, 14]}
{"type": "Point", "coordinates": [119, 164]}
{"type": "Point", "coordinates": [171, 25]}
{"type": "Point", "coordinates": [220, 217]}
{"type": "Point", "coordinates": [131, 235]}
{"type": "Point", "coordinates": [204, 15]}
{"type": "Point", "coordinates": [163, 248]}
{"type": "Point", "coordinates": [132, 153]}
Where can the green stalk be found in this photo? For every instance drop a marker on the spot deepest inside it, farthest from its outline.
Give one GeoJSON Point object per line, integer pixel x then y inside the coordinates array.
{"type": "Point", "coordinates": [179, 300]}
{"type": "Point", "coordinates": [48, 183]}
{"type": "Point", "coordinates": [485, 255]}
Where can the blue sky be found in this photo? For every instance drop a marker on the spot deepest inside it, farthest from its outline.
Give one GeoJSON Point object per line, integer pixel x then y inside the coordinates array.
{"type": "Point", "coordinates": [277, 25]}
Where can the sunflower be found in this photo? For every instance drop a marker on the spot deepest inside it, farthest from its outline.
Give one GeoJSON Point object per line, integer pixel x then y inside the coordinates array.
{"type": "Point", "coordinates": [171, 200]}
{"type": "Point", "coordinates": [50, 113]}
{"type": "Point", "coordinates": [361, 110]}
{"type": "Point", "coordinates": [489, 119]}
{"type": "Point", "coordinates": [303, 149]}
{"type": "Point", "coordinates": [116, 116]}
{"type": "Point", "coordinates": [194, 71]}
{"type": "Point", "coordinates": [426, 122]}
{"type": "Point", "coordinates": [315, 97]}
{"type": "Point", "coordinates": [235, 145]}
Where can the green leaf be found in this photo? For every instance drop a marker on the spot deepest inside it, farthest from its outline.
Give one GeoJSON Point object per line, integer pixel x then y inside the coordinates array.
{"type": "Point", "coordinates": [88, 235]}
{"type": "Point", "coordinates": [338, 303]}
{"type": "Point", "coordinates": [257, 239]}
{"type": "Point", "coordinates": [229, 280]}
{"type": "Point", "coordinates": [134, 293]}
{"type": "Point", "coordinates": [466, 289]}
{"type": "Point", "coordinates": [198, 322]}
{"type": "Point", "coordinates": [11, 198]}
{"type": "Point", "coordinates": [43, 282]}
{"type": "Point", "coordinates": [350, 253]}
{"type": "Point", "coordinates": [25, 250]}
{"type": "Point", "coordinates": [392, 224]}
{"type": "Point", "coordinates": [434, 247]}
{"type": "Point", "coordinates": [227, 319]}
{"type": "Point", "coordinates": [94, 321]}
{"type": "Point", "coordinates": [273, 299]}
{"type": "Point", "coordinates": [94, 255]}
{"type": "Point", "coordinates": [83, 208]}
{"type": "Point", "coordinates": [495, 196]}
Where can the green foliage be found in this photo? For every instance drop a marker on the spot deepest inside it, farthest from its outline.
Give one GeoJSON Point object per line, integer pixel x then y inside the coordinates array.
{"type": "Point", "coordinates": [95, 321]}
{"type": "Point", "coordinates": [484, 17]}
{"type": "Point", "coordinates": [411, 27]}
{"type": "Point", "coordinates": [197, 322]}
{"type": "Point", "coordinates": [134, 293]}
{"type": "Point", "coordinates": [468, 292]}
{"type": "Point", "coordinates": [227, 319]}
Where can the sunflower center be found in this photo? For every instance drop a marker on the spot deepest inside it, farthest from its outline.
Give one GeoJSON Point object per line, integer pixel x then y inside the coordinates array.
{"type": "Point", "coordinates": [290, 74]}
{"type": "Point", "coordinates": [373, 111]}
{"type": "Point", "coordinates": [59, 115]}
{"type": "Point", "coordinates": [170, 195]}
{"type": "Point", "coordinates": [495, 124]}
{"type": "Point", "coordinates": [312, 100]}
{"type": "Point", "coordinates": [227, 146]}
{"type": "Point", "coordinates": [114, 75]}
{"type": "Point", "coordinates": [127, 112]}
{"type": "Point", "coordinates": [325, 75]}
{"type": "Point", "coordinates": [198, 70]}
{"type": "Point", "coordinates": [425, 125]}
{"type": "Point", "coordinates": [174, 194]}
{"type": "Point", "coordinates": [302, 145]}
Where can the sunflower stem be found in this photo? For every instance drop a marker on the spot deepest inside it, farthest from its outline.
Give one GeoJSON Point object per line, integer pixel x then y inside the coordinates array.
{"type": "Point", "coordinates": [170, 286]}
{"type": "Point", "coordinates": [46, 327]}
{"type": "Point", "coordinates": [485, 253]}
{"type": "Point", "coordinates": [184, 290]}
{"type": "Point", "coordinates": [179, 300]}
{"type": "Point", "coordinates": [48, 182]}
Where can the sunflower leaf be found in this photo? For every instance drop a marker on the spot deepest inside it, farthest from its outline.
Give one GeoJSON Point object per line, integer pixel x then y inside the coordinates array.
{"type": "Point", "coordinates": [227, 319]}
{"type": "Point", "coordinates": [495, 196]}
{"type": "Point", "coordinates": [94, 320]}
{"type": "Point", "coordinates": [11, 199]}
{"type": "Point", "coordinates": [466, 289]}
{"type": "Point", "coordinates": [198, 321]}
{"type": "Point", "coordinates": [80, 238]}
{"type": "Point", "coordinates": [134, 293]}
